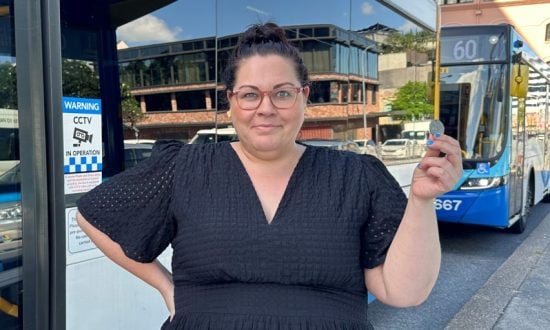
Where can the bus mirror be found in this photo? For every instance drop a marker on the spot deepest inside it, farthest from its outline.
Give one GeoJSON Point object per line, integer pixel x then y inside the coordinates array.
{"type": "Point", "coordinates": [520, 80]}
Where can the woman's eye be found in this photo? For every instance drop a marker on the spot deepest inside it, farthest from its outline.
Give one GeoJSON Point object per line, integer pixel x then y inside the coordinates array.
{"type": "Point", "coordinates": [249, 95]}
{"type": "Point", "coordinates": [283, 93]}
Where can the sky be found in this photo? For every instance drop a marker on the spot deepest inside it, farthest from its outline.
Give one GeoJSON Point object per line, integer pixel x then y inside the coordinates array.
{"type": "Point", "coordinates": [191, 19]}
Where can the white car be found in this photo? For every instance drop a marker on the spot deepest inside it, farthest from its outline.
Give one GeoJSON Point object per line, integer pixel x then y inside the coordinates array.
{"type": "Point", "coordinates": [135, 153]}
{"type": "Point", "coordinates": [214, 135]}
{"type": "Point", "coordinates": [397, 148]}
{"type": "Point", "coordinates": [368, 147]}
{"type": "Point", "coordinates": [334, 144]}
{"type": "Point", "coordinates": [139, 141]}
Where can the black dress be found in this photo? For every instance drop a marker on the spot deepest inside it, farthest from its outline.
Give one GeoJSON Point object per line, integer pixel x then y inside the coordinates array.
{"type": "Point", "coordinates": [231, 268]}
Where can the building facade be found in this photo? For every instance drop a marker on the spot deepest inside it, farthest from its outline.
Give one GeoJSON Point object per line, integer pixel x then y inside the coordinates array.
{"type": "Point", "coordinates": [178, 84]}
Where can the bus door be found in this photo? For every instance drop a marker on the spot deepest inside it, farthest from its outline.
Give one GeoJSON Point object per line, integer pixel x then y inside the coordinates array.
{"type": "Point", "coordinates": [517, 160]}
{"type": "Point", "coordinates": [518, 93]}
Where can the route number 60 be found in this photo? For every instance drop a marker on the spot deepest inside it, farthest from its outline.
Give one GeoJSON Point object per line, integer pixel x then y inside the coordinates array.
{"type": "Point", "coordinates": [447, 204]}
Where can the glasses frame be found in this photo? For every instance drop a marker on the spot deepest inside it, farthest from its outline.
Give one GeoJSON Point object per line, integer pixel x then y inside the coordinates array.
{"type": "Point", "coordinates": [269, 93]}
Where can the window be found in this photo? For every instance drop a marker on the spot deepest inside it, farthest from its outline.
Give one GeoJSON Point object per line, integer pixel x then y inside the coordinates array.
{"type": "Point", "coordinates": [158, 102]}
{"type": "Point", "coordinates": [320, 92]}
{"type": "Point", "coordinates": [547, 32]}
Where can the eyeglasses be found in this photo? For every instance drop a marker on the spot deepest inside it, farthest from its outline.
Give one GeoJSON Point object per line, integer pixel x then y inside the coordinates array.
{"type": "Point", "coordinates": [250, 98]}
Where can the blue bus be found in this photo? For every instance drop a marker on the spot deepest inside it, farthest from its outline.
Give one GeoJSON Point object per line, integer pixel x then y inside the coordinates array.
{"type": "Point", "coordinates": [494, 99]}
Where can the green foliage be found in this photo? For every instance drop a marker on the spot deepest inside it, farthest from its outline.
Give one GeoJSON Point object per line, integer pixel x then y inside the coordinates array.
{"type": "Point", "coordinates": [399, 42]}
{"type": "Point", "coordinates": [412, 97]}
{"type": "Point", "coordinates": [131, 111]}
{"type": "Point", "coordinates": [80, 79]}
{"type": "Point", "coordinates": [8, 86]}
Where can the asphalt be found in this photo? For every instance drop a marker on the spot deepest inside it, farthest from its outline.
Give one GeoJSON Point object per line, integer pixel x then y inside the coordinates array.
{"type": "Point", "coordinates": [517, 295]}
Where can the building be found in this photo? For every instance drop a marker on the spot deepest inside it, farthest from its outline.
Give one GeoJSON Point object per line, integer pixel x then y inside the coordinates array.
{"type": "Point", "coordinates": [530, 18]}
{"type": "Point", "coordinates": [178, 87]}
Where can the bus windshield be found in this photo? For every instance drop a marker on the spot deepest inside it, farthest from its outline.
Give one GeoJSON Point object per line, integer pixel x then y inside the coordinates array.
{"type": "Point", "coordinates": [473, 107]}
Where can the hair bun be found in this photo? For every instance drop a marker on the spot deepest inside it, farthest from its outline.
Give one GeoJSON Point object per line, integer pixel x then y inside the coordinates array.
{"type": "Point", "coordinates": [263, 33]}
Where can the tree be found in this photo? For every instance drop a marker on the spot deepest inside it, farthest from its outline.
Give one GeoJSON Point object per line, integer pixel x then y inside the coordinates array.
{"type": "Point", "coordinates": [8, 86]}
{"type": "Point", "coordinates": [80, 79]}
{"type": "Point", "coordinates": [131, 111]}
{"type": "Point", "coordinates": [400, 42]}
{"type": "Point", "coordinates": [413, 98]}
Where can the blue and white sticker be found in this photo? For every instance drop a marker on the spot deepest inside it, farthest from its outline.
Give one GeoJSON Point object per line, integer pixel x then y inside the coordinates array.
{"type": "Point", "coordinates": [82, 143]}
{"type": "Point", "coordinates": [483, 168]}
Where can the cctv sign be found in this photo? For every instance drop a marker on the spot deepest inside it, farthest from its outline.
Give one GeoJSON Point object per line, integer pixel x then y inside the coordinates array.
{"type": "Point", "coordinates": [82, 135]}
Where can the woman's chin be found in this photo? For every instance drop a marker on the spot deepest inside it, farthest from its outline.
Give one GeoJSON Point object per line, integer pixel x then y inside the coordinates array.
{"type": "Point", "coordinates": [267, 144]}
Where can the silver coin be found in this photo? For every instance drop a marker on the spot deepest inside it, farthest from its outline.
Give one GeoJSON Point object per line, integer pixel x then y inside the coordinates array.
{"type": "Point", "coordinates": [436, 127]}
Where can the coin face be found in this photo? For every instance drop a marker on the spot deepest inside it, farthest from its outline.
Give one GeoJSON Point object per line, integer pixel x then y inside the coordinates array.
{"type": "Point", "coordinates": [436, 127]}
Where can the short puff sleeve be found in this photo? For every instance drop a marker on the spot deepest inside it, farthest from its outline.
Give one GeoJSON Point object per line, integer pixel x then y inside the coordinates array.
{"type": "Point", "coordinates": [386, 208]}
{"type": "Point", "coordinates": [133, 207]}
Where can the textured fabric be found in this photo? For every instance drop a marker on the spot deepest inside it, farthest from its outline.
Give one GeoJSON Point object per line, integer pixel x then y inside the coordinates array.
{"type": "Point", "coordinates": [231, 268]}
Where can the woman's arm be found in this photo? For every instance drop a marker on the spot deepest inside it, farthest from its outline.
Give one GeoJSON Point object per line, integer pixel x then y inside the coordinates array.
{"type": "Point", "coordinates": [412, 263]}
{"type": "Point", "coordinates": [410, 270]}
{"type": "Point", "coordinates": [153, 273]}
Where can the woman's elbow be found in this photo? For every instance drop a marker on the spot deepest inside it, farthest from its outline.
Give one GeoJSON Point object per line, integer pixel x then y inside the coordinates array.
{"type": "Point", "coordinates": [412, 297]}
{"type": "Point", "coordinates": [405, 301]}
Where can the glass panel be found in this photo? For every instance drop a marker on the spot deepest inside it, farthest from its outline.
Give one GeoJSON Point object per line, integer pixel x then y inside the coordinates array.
{"type": "Point", "coordinates": [471, 98]}
{"type": "Point", "coordinates": [393, 73]}
{"type": "Point", "coordinates": [167, 59]}
{"type": "Point", "coordinates": [10, 188]}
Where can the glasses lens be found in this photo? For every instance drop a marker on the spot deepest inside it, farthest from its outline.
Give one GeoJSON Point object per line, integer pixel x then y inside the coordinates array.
{"type": "Point", "coordinates": [249, 98]}
{"type": "Point", "coordinates": [284, 98]}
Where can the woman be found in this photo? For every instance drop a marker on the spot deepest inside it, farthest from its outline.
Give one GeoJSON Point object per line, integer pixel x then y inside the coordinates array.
{"type": "Point", "coordinates": [268, 233]}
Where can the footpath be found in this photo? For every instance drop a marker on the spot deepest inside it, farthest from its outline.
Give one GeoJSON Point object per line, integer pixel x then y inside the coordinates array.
{"type": "Point", "coordinates": [517, 295]}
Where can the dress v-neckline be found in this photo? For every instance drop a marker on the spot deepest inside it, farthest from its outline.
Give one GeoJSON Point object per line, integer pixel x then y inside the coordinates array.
{"type": "Point", "coordinates": [254, 192]}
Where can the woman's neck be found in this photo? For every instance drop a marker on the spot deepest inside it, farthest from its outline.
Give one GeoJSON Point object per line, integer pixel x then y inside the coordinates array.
{"type": "Point", "coordinates": [281, 158]}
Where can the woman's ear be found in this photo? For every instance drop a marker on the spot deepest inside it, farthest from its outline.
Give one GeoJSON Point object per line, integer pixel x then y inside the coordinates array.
{"type": "Point", "coordinates": [305, 91]}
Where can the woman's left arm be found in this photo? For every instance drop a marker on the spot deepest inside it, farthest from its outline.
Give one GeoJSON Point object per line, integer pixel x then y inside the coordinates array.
{"type": "Point", "coordinates": [412, 263]}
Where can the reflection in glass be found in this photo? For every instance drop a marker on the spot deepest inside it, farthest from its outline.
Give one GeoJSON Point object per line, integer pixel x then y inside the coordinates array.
{"type": "Point", "coordinates": [397, 80]}
{"type": "Point", "coordinates": [464, 90]}
{"type": "Point", "coordinates": [177, 83]}
{"type": "Point", "coordinates": [10, 187]}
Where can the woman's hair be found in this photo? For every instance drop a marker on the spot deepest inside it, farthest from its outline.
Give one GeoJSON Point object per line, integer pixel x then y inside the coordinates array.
{"type": "Point", "coordinates": [264, 39]}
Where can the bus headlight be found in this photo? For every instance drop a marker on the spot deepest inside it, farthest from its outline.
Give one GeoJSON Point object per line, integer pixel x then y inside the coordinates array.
{"type": "Point", "coordinates": [484, 183]}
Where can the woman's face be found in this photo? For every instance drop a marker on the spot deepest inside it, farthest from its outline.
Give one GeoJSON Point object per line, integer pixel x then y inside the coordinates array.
{"type": "Point", "coordinates": [267, 128]}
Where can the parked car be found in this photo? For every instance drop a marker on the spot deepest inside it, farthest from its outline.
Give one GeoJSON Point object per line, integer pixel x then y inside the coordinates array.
{"type": "Point", "coordinates": [139, 141]}
{"type": "Point", "coordinates": [397, 148]}
{"type": "Point", "coordinates": [135, 153]}
{"type": "Point", "coordinates": [214, 135]}
{"type": "Point", "coordinates": [334, 144]}
{"type": "Point", "coordinates": [367, 147]}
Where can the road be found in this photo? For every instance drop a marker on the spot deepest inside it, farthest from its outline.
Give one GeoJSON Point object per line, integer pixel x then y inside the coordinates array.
{"type": "Point", "coordinates": [470, 255]}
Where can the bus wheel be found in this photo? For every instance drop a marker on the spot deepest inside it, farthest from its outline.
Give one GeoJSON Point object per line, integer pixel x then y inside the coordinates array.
{"type": "Point", "coordinates": [519, 226]}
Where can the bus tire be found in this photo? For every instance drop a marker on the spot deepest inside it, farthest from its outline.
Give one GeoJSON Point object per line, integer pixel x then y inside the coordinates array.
{"type": "Point", "coordinates": [519, 226]}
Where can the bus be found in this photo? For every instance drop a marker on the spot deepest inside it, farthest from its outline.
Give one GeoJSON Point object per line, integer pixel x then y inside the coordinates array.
{"type": "Point", "coordinates": [494, 99]}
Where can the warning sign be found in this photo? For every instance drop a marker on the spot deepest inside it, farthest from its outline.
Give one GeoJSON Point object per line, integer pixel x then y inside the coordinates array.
{"type": "Point", "coordinates": [82, 143]}
{"type": "Point", "coordinates": [77, 240]}
{"type": "Point", "coordinates": [76, 183]}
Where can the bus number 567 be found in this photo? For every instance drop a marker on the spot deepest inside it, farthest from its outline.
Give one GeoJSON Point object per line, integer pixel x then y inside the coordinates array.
{"type": "Point", "coordinates": [447, 204]}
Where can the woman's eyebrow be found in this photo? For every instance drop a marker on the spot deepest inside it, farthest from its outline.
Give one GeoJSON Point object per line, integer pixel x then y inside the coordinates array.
{"type": "Point", "coordinates": [274, 87]}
